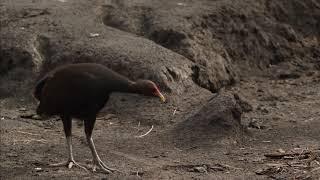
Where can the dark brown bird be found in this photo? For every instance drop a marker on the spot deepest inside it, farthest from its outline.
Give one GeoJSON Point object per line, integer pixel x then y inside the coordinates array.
{"type": "Point", "coordinates": [81, 91]}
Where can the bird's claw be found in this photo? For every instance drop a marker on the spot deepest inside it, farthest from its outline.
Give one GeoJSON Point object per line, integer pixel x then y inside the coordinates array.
{"type": "Point", "coordinates": [69, 164]}
{"type": "Point", "coordinates": [102, 166]}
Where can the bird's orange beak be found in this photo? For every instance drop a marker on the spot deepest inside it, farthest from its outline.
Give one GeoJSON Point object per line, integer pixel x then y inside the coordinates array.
{"type": "Point", "coordinates": [163, 99]}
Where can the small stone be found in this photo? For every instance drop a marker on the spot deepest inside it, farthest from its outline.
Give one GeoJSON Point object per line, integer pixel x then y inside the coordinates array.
{"type": "Point", "coordinates": [310, 73]}
{"type": "Point", "coordinates": [110, 116]}
{"type": "Point", "coordinates": [254, 123]}
{"type": "Point", "coordinates": [289, 75]}
{"type": "Point", "coordinates": [22, 109]}
{"type": "Point", "coordinates": [274, 104]}
{"type": "Point", "coordinates": [137, 173]}
{"type": "Point", "coordinates": [293, 121]}
{"type": "Point", "coordinates": [12, 155]}
{"type": "Point", "coordinates": [36, 117]}
{"type": "Point", "coordinates": [200, 169]}
{"type": "Point", "coordinates": [218, 168]}
{"type": "Point", "coordinates": [38, 169]}
{"type": "Point", "coordinates": [92, 35]}
{"type": "Point", "coordinates": [257, 159]}
{"type": "Point", "coordinates": [260, 90]}
{"type": "Point", "coordinates": [181, 4]}
{"type": "Point", "coordinates": [259, 107]}
{"type": "Point", "coordinates": [260, 172]}
{"type": "Point", "coordinates": [264, 110]}
{"type": "Point", "coordinates": [27, 115]}
{"type": "Point", "coordinates": [288, 157]}
{"type": "Point", "coordinates": [281, 151]}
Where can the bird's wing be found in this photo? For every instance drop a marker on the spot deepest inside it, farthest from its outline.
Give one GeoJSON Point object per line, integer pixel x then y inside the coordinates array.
{"type": "Point", "coordinates": [39, 86]}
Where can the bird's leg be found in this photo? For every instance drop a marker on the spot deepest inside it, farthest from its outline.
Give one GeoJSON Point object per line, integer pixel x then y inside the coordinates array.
{"type": "Point", "coordinates": [67, 125]}
{"type": "Point", "coordinates": [96, 159]}
{"type": "Point", "coordinates": [88, 125]}
{"type": "Point", "coordinates": [70, 162]}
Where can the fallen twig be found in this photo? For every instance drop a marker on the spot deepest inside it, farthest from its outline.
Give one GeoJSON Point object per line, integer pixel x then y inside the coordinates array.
{"type": "Point", "coordinates": [315, 169]}
{"type": "Point", "coordinates": [207, 167]}
{"type": "Point", "coordinates": [174, 112]}
{"type": "Point", "coordinates": [28, 141]}
{"type": "Point", "coordinates": [27, 116]}
{"type": "Point", "coordinates": [231, 167]}
{"type": "Point", "coordinates": [137, 173]}
{"type": "Point", "coordinates": [145, 133]}
{"type": "Point", "coordinates": [313, 157]}
{"type": "Point", "coordinates": [138, 127]}
{"type": "Point", "coordinates": [281, 155]}
{"type": "Point", "coordinates": [22, 132]}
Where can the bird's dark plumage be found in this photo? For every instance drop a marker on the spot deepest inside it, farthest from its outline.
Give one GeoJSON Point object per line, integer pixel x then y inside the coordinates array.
{"type": "Point", "coordinates": [39, 86]}
{"type": "Point", "coordinates": [80, 91]}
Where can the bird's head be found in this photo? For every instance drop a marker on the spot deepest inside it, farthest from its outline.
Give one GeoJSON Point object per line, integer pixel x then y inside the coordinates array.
{"type": "Point", "coordinates": [148, 88]}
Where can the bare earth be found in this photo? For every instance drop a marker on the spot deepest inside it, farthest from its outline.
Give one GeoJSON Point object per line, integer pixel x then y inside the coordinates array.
{"type": "Point", "coordinates": [282, 131]}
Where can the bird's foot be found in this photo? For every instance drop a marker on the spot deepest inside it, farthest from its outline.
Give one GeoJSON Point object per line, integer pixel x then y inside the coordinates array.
{"type": "Point", "coordinates": [69, 164]}
{"type": "Point", "coordinates": [102, 166]}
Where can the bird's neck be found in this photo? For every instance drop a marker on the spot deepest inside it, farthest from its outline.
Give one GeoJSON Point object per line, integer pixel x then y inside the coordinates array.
{"type": "Point", "coordinates": [127, 87]}
{"type": "Point", "coordinates": [133, 88]}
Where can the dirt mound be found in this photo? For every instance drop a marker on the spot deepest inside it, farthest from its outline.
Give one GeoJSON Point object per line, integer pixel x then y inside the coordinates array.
{"type": "Point", "coordinates": [219, 117]}
{"type": "Point", "coordinates": [15, 65]}
{"type": "Point", "coordinates": [261, 34]}
{"type": "Point", "coordinates": [212, 67]}
{"type": "Point", "coordinates": [122, 55]}
{"type": "Point", "coordinates": [52, 44]}
{"type": "Point", "coordinates": [13, 58]}
{"type": "Point", "coordinates": [226, 37]}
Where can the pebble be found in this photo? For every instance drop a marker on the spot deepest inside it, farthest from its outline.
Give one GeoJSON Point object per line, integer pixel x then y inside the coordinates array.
{"type": "Point", "coordinates": [36, 117]}
{"type": "Point", "coordinates": [200, 169]}
{"type": "Point", "coordinates": [12, 155]}
{"type": "Point", "coordinates": [281, 151]}
{"type": "Point", "coordinates": [22, 109]}
{"type": "Point", "coordinates": [38, 169]}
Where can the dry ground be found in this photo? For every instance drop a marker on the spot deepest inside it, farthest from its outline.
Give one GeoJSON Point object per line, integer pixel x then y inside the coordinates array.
{"type": "Point", "coordinates": [286, 111]}
{"type": "Point", "coordinates": [267, 52]}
